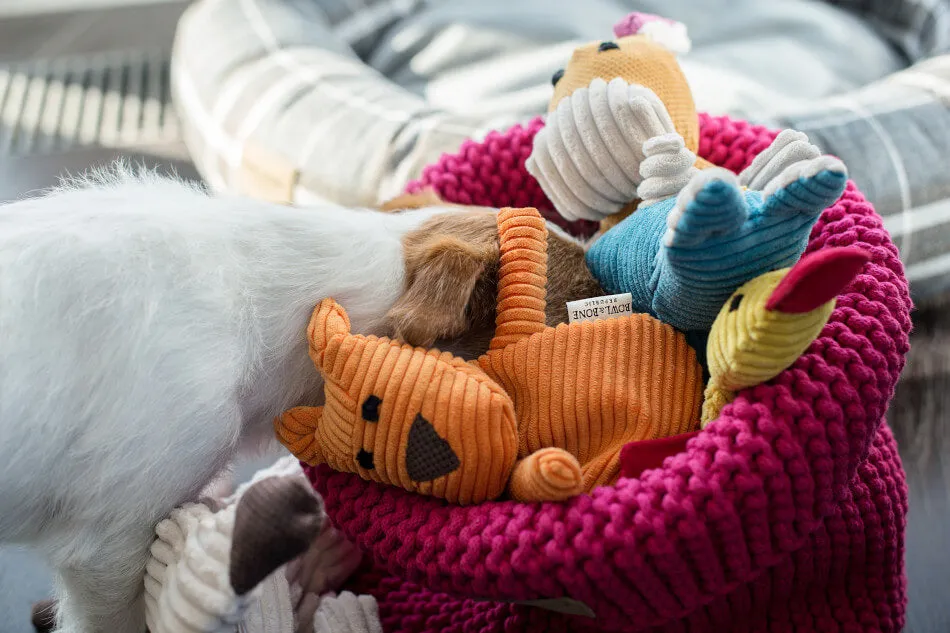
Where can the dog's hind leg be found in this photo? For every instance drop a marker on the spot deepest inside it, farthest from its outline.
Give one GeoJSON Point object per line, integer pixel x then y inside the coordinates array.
{"type": "Point", "coordinates": [104, 594]}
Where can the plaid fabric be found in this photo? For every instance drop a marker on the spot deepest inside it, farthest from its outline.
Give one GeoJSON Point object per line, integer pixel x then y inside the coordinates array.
{"type": "Point", "coordinates": [894, 136]}
{"type": "Point", "coordinates": [920, 28]}
{"type": "Point", "coordinates": [346, 100]}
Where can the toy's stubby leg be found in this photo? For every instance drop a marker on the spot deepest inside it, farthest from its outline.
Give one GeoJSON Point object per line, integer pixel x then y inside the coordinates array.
{"type": "Point", "coordinates": [702, 257]}
{"type": "Point", "coordinates": [788, 148]}
{"type": "Point", "coordinates": [710, 206]}
{"type": "Point", "coordinates": [806, 187]}
{"type": "Point", "coordinates": [548, 474]}
{"type": "Point", "coordinates": [720, 236]}
{"type": "Point", "coordinates": [714, 399]}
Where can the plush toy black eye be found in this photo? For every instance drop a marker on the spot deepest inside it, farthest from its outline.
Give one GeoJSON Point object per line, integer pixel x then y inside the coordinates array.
{"type": "Point", "coordinates": [365, 459]}
{"type": "Point", "coordinates": [734, 304]}
{"type": "Point", "coordinates": [371, 409]}
{"type": "Point", "coordinates": [607, 46]}
{"type": "Point", "coordinates": [556, 77]}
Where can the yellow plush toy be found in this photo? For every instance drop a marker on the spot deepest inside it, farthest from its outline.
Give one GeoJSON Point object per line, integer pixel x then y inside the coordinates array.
{"type": "Point", "coordinates": [770, 321]}
{"type": "Point", "coordinates": [610, 99]}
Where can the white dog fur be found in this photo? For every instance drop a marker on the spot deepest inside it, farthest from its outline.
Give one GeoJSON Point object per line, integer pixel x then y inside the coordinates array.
{"type": "Point", "coordinates": [147, 331]}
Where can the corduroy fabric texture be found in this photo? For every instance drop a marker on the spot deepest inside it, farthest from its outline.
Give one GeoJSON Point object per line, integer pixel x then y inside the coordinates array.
{"type": "Point", "coordinates": [786, 514]}
{"type": "Point", "coordinates": [769, 321]}
{"type": "Point", "coordinates": [683, 257]}
{"type": "Point", "coordinates": [637, 60]}
{"type": "Point", "coordinates": [187, 586]}
{"type": "Point", "coordinates": [347, 613]}
{"type": "Point", "coordinates": [588, 388]}
{"type": "Point", "coordinates": [421, 419]}
{"type": "Point", "coordinates": [610, 99]}
{"type": "Point", "coordinates": [492, 172]}
{"type": "Point", "coordinates": [592, 156]}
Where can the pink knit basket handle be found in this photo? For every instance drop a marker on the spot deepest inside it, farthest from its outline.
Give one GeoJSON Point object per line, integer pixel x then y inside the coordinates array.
{"type": "Point", "coordinates": [745, 494]}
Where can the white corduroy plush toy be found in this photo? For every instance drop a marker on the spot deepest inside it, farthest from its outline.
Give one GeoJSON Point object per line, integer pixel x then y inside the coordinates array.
{"type": "Point", "coordinates": [222, 580]}
{"type": "Point", "coordinates": [263, 560]}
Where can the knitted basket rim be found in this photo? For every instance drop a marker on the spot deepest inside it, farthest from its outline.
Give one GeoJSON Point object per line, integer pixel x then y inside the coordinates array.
{"type": "Point", "coordinates": [746, 492]}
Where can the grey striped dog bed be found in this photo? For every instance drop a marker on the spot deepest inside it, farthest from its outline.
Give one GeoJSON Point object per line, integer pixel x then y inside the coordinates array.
{"type": "Point", "coordinates": [301, 100]}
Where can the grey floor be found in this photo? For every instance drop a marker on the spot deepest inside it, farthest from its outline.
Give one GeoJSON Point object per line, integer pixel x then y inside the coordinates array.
{"type": "Point", "coordinates": [49, 34]}
{"type": "Point", "coordinates": [920, 414]}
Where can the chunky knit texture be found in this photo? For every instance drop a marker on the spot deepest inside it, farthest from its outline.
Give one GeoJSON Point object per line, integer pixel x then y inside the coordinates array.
{"type": "Point", "coordinates": [492, 172]}
{"type": "Point", "coordinates": [785, 514]}
{"type": "Point", "coordinates": [590, 387]}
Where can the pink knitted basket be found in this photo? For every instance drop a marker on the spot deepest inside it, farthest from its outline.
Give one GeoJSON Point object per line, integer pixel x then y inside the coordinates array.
{"type": "Point", "coordinates": [786, 514]}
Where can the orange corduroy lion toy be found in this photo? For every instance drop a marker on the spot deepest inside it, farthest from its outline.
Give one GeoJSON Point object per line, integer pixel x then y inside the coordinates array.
{"type": "Point", "coordinates": [421, 419]}
{"type": "Point", "coordinates": [544, 413]}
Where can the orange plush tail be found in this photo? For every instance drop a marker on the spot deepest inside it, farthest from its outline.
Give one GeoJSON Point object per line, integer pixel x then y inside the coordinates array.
{"type": "Point", "coordinates": [548, 474]}
{"type": "Point", "coordinates": [522, 276]}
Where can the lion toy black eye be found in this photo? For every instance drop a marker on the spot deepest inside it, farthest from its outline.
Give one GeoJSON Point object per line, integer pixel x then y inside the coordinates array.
{"type": "Point", "coordinates": [734, 304]}
{"type": "Point", "coordinates": [365, 459]}
{"type": "Point", "coordinates": [371, 409]}
{"type": "Point", "coordinates": [607, 46]}
{"type": "Point", "coordinates": [556, 77]}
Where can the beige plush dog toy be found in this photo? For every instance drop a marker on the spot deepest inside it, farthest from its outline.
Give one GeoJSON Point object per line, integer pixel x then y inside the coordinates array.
{"type": "Point", "coordinates": [610, 99]}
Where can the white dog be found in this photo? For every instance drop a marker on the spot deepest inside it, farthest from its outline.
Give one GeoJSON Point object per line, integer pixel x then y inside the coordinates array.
{"type": "Point", "coordinates": [147, 330]}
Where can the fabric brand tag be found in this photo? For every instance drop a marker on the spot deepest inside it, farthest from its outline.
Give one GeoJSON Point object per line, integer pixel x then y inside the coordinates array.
{"type": "Point", "coordinates": [597, 308]}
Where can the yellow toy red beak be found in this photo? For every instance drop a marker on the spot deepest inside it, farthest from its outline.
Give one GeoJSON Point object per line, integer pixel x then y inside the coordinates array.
{"type": "Point", "coordinates": [816, 279]}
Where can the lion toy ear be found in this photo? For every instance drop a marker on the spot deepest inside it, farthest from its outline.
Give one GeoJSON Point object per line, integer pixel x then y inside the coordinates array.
{"type": "Point", "coordinates": [329, 319]}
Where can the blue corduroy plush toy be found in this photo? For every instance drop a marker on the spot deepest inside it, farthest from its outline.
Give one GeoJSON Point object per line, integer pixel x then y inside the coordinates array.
{"type": "Point", "coordinates": [682, 257]}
